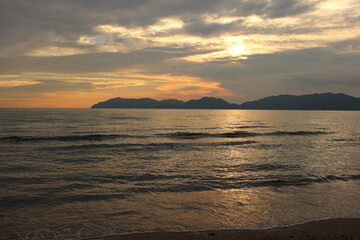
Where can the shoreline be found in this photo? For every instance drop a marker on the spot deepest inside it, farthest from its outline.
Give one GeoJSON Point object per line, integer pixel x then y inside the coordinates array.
{"type": "Point", "coordinates": [334, 228]}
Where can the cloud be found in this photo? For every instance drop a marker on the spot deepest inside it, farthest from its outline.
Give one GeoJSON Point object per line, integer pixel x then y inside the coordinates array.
{"type": "Point", "coordinates": [15, 83]}
{"type": "Point", "coordinates": [350, 46]}
{"type": "Point", "coordinates": [86, 27]}
{"type": "Point", "coordinates": [123, 82]}
{"type": "Point", "coordinates": [41, 87]}
{"type": "Point", "coordinates": [319, 82]}
{"type": "Point", "coordinates": [83, 63]}
{"type": "Point", "coordinates": [272, 74]}
{"type": "Point", "coordinates": [51, 24]}
{"type": "Point", "coordinates": [201, 28]}
{"type": "Point", "coordinates": [281, 8]}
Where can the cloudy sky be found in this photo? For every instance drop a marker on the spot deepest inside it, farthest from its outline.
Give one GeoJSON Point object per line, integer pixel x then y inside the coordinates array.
{"type": "Point", "coordinates": [74, 53]}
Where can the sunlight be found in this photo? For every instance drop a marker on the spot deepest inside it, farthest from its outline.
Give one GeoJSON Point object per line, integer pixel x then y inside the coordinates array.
{"type": "Point", "coordinates": [254, 19]}
{"type": "Point", "coordinates": [14, 83]}
{"type": "Point", "coordinates": [237, 50]}
{"type": "Point", "coordinates": [231, 48]}
{"type": "Point", "coordinates": [334, 5]}
{"type": "Point", "coordinates": [162, 25]}
{"type": "Point", "coordinates": [166, 24]}
{"type": "Point", "coordinates": [54, 51]}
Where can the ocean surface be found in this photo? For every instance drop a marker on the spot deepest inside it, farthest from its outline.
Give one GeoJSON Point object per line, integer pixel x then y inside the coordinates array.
{"type": "Point", "coordinates": [78, 173]}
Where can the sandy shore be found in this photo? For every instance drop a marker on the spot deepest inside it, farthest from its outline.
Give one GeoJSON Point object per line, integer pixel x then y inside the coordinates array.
{"type": "Point", "coordinates": [345, 228]}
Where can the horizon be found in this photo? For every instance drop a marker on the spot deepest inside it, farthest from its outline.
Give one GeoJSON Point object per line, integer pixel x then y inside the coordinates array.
{"type": "Point", "coordinates": [74, 54]}
{"type": "Point", "coordinates": [225, 108]}
{"type": "Point", "coordinates": [318, 93]}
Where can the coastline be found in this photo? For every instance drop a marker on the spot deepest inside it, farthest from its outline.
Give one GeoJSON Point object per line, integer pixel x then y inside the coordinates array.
{"type": "Point", "coordinates": [336, 228]}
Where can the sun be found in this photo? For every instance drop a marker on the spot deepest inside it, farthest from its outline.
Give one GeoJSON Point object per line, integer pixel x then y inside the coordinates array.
{"type": "Point", "coordinates": [237, 49]}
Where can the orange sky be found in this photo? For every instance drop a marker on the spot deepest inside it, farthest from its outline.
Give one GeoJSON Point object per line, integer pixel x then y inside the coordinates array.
{"type": "Point", "coordinates": [110, 85]}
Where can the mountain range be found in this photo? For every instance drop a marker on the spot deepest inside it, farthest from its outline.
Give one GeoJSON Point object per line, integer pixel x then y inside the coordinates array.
{"type": "Point", "coordinates": [317, 101]}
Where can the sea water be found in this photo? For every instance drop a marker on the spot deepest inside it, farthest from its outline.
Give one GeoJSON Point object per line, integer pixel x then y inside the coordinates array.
{"type": "Point", "coordinates": [77, 173]}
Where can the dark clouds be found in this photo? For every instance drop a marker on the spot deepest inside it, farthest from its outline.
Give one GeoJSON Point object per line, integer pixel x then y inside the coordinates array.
{"type": "Point", "coordinates": [281, 8]}
{"type": "Point", "coordinates": [200, 28]}
{"type": "Point", "coordinates": [28, 24]}
{"type": "Point", "coordinates": [89, 63]}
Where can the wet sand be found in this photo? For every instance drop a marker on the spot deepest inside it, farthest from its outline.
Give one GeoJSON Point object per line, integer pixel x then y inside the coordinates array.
{"type": "Point", "coordinates": [343, 228]}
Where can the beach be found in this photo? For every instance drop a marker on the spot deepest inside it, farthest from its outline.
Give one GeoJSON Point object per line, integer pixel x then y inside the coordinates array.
{"type": "Point", "coordinates": [330, 229]}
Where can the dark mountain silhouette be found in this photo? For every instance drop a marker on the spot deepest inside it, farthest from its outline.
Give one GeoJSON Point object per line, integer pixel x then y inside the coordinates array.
{"type": "Point", "coordinates": [209, 103]}
{"type": "Point", "coordinates": [171, 102]}
{"type": "Point", "coordinates": [203, 103]}
{"type": "Point", "coordinates": [322, 101]}
{"type": "Point", "coordinates": [138, 103]}
{"type": "Point", "coordinates": [318, 101]}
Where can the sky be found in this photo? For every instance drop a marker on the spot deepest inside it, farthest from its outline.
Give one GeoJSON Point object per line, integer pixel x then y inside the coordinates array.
{"type": "Point", "coordinates": [73, 54]}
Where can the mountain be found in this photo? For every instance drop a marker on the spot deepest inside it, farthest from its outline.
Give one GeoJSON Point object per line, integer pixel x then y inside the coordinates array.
{"type": "Point", "coordinates": [138, 103]}
{"type": "Point", "coordinates": [318, 101]}
{"type": "Point", "coordinates": [203, 103]}
{"type": "Point", "coordinates": [209, 103]}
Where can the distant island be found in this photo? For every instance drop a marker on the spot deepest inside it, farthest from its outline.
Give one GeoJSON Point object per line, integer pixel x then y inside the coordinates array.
{"type": "Point", "coordinates": [317, 101]}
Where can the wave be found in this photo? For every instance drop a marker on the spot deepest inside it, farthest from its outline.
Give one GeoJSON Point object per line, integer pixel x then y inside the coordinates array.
{"type": "Point", "coordinates": [54, 200]}
{"type": "Point", "coordinates": [68, 138]}
{"type": "Point", "coordinates": [255, 126]}
{"type": "Point", "coordinates": [210, 183]}
{"type": "Point", "coordinates": [238, 134]}
{"type": "Point", "coordinates": [227, 183]}
{"type": "Point", "coordinates": [195, 135]}
{"type": "Point", "coordinates": [296, 133]}
{"type": "Point", "coordinates": [140, 177]}
{"type": "Point", "coordinates": [157, 183]}
{"type": "Point", "coordinates": [231, 143]}
{"type": "Point", "coordinates": [152, 146]}
{"type": "Point", "coordinates": [175, 135]}
{"type": "Point", "coordinates": [346, 139]}
{"type": "Point", "coordinates": [124, 146]}
{"type": "Point", "coordinates": [128, 118]}
{"type": "Point", "coordinates": [257, 167]}
{"type": "Point", "coordinates": [185, 135]}
{"type": "Point", "coordinates": [123, 213]}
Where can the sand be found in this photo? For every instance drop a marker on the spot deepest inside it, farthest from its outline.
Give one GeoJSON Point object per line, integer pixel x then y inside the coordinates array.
{"type": "Point", "coordinates": [344, 228]}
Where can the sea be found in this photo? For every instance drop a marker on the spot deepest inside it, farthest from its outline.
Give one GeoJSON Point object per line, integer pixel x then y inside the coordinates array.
{"type": "Point", "coordinates": [82, 173]}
